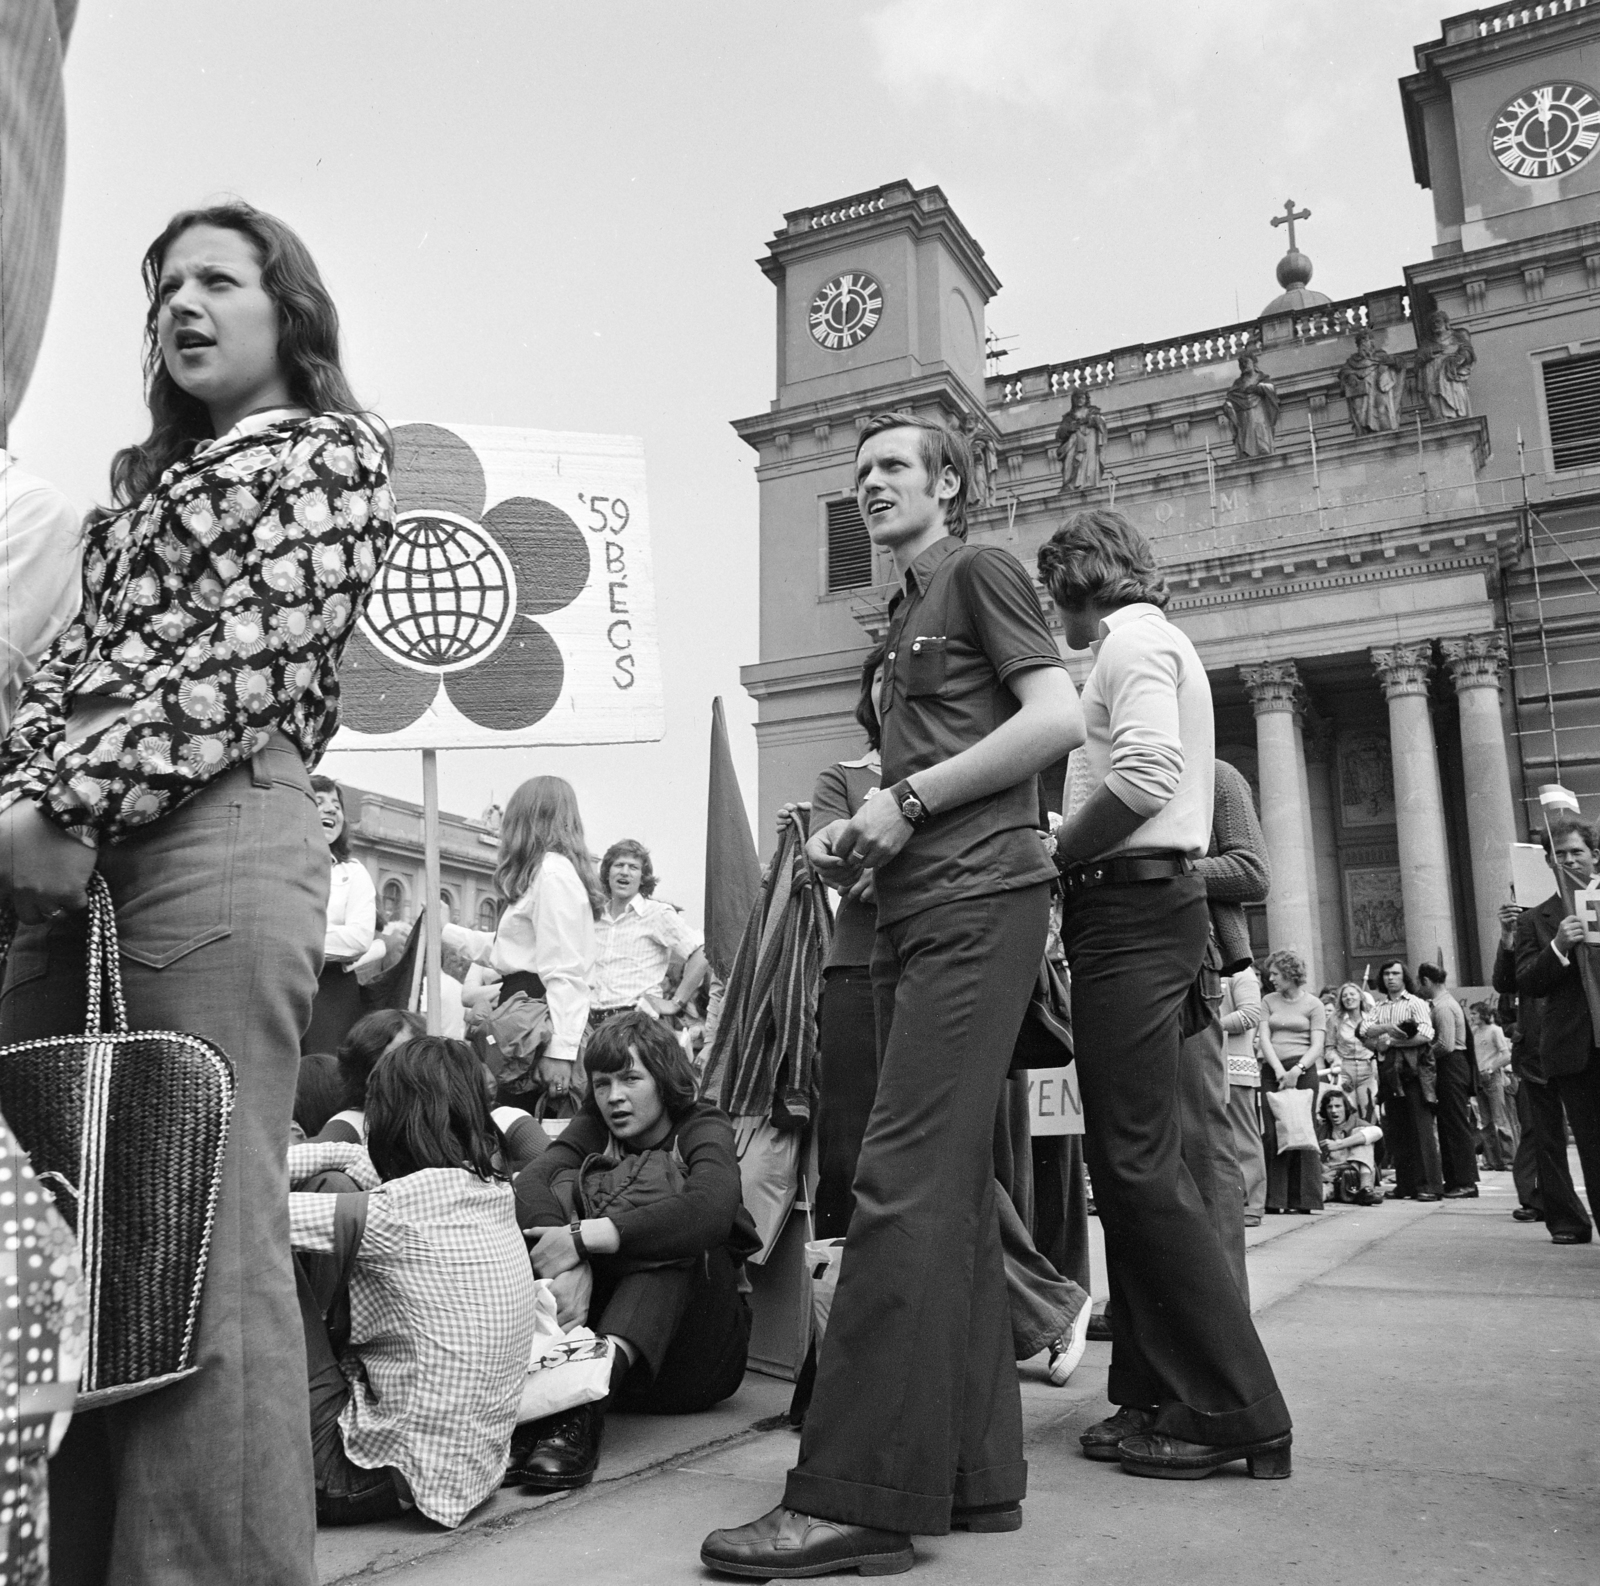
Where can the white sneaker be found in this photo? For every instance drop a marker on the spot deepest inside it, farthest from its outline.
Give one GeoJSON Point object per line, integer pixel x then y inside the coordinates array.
{"type": "Point", "coordinates": [1065, 1353]}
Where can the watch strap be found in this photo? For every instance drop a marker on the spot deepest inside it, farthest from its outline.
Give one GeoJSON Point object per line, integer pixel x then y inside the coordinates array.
{"type": "Point", "coordinates": [576, 1230]}
{"type": "Point", "coordinates": [900, 793]}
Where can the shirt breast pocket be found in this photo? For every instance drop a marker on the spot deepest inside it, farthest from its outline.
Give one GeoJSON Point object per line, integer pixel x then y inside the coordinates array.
{"type": "Point", "coordinates": [926, 664]}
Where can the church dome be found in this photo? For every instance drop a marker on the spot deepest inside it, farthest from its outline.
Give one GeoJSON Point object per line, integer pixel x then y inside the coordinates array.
{"type": "Point", "coordinates": [1294, 276]}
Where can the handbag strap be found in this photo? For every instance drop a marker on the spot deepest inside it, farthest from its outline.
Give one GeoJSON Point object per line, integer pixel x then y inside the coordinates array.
{"type": "Point", "coordinates": [105, 959]}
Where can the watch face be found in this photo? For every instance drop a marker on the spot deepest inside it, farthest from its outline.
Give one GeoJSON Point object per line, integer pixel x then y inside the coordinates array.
{"type": "Point", "coordinates": [1547, 131]}
{"type": "Point", "coordinates": [846, 311]}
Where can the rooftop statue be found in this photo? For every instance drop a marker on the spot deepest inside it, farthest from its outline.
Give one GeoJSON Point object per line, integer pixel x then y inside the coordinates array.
{"type": "Point", "coordinates": [1079, 437]}
{"type": "Point", "coordinates": [1444, 363]}
{"type": "Point", "coordinates": [1251, 408]}
{"type": "Point", "coordinates": [985, 461]}
{"type": "Point", "coordinates": [1370, 379]}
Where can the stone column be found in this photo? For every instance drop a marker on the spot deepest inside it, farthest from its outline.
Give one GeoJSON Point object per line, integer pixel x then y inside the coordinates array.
{"type": "Point", "coordinates": [1324, 811]}
{"type": "Point", "coordinates": [1274, 690]}
{"type": "Point", "coordinates": [1477, 664]}
{"type": "Point", "coordinates": [1314, 892]}
{"type": "Point", "coordinates": [1403, 671]}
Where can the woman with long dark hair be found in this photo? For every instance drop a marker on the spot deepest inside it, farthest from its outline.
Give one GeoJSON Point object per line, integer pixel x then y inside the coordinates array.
{"type": "Point", "coordinates": [166, 740]}
{"type": "Point", "coordinates": [544, 944]}
{"type": "Point", "coordinates": [664, 1256]}
{"type": "Point", "coordinates": [352, 924]}
{"type": "Point", "coordinates": [413, 1268]}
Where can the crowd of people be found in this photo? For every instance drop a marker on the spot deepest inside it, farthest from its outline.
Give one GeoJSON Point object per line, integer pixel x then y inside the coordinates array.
{"type": "Point", "coordinates": [404, 1215]}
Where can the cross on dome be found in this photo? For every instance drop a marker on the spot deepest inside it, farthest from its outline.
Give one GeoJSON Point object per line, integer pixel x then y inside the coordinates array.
{"type": "Point", "coordinates": [1289, 216]}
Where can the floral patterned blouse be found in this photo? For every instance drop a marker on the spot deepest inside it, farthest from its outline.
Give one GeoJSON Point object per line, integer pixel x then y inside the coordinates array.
{"type": "Point", "coordinates": [217, 608]}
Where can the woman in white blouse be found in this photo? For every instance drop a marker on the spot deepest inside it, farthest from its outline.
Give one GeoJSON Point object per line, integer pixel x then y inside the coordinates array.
{"type": "Point", "coordinates": [545, 943]}
{"type": "Point", "coordinates": [352, 924]}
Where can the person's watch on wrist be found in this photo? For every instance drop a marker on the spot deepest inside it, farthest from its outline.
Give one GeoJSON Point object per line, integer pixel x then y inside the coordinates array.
{"type": "Point", "coordinates": [912, 809]}
{"type": "Point", "coordinates": [576, 1230]}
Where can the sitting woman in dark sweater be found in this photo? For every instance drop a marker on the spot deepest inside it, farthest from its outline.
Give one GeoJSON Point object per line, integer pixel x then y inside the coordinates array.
{"type": "Point", "coordinates": [639, 1224]}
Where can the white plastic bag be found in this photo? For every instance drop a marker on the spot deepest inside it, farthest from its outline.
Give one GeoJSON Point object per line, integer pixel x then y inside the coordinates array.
{"type": "Point", "coordinates": [823, 1257]}
{"type": "Point", "coordinates": [1291, 1112]}
{"type": "Point", "coordinates": [565, 1369]}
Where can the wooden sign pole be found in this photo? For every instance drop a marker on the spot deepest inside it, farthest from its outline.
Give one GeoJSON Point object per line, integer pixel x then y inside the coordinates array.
{"type": "Point", "coordinates": [434, 915]}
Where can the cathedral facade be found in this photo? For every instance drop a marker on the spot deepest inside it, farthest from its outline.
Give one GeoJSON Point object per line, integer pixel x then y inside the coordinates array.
{"type": "Point", "coordinates": [1379, 517]}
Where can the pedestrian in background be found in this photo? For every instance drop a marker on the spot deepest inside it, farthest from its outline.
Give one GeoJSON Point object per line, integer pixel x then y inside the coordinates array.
{"type": "Point", "coordinates": [1241, 1013]}
{"type": "Point", "coordinates": [1290, 1039]}
{"type": "Point", "coordinates": [1455, 1072]}
{"type": "Point", "coordinates": [1399, 1029]}
{"type": "Point", "coordinates": [1352, 1056]}
{"type": "Point", "coordinates": [1491, 1053]}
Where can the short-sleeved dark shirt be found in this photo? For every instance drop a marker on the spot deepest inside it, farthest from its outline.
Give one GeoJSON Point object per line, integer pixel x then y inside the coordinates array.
{"type": "Point", "coordinates": [967, 620]}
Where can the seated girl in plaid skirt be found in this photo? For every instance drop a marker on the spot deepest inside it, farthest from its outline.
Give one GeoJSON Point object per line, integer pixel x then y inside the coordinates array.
{"type": "Point", "coordinates": [416, 1294]}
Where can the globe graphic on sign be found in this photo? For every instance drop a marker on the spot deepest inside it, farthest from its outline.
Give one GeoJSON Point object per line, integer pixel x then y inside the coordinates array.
{"type": "Point", "coordinates": [445, 593]}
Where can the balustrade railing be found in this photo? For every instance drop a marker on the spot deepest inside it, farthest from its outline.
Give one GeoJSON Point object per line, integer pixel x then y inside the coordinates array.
{"type": "Point", "coordinates": [1496, 20]}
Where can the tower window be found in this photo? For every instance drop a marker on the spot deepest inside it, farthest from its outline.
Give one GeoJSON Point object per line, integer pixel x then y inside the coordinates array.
{"type": "Point", "coordinates": [1572, 400]}
{"type": "Point", "coordinates": [849, 548]}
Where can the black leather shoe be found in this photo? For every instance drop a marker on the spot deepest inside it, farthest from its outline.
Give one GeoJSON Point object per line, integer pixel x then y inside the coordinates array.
{"type": "Point", "coordinates": [1425, 1195]}
{"type": "Point", "coordinates": [1465, 1192]}
{"type": "Point", "coordinates": [987, 1517]}
{"type": "Point", "coordinates": [787, 1545]}
{"type": "Point", "coordinates": [1569, 1239]}
{"type": "Point", "coordinates": [1101, 1441]}
{"type": "Point", "coordinates": [1526, 1214]}
{"type": "Point", "coordinates": [1099, 1328]}
{"type": "Point", "coordinates": [1172, 1459]}
{"type": "Point", "coordinates": [559, 1452]}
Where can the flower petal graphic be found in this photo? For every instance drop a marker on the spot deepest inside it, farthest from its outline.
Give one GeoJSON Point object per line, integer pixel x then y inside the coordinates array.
{"type": "Point", "coordinates": [517, 686]}
{"type": "Point", "coordinates": [549, 552]}
{"type": "Point", "coordinates": [434, 469]}
{"type": "Point", "coordinates": [377, 696]}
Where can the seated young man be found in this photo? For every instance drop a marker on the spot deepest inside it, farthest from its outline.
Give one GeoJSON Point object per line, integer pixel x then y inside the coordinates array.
{"type": "Point", "coordinates": [664, 1260]}
{"type": "Point", "coordinates": [1349, 1168]}
{"type": "Point", "coordinates": [415, 1293]}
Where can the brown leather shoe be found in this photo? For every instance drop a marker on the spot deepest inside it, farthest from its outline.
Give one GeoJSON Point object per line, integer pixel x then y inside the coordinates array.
{"type": "Point", "coordinates": [787, 1545]}
{"type": "Point", "coordinates": [1173, 1459]}
{"type": "Point", "coordinates": [1102, 1440]}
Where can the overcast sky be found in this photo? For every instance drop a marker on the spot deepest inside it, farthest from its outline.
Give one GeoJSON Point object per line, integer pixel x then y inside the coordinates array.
{"type": "Point", "coordinates": [547, 215]}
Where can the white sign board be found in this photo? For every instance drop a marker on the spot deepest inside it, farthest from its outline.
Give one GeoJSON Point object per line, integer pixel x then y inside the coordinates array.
{"type": "Point", "coordinates": [1054, 1106]}
{"type": "Point", "coordinates": [516, 604]}
{"type": "Point", "coordinates": [1532, 879]}
{"type": "Point", "coordinates": [1586, 905]}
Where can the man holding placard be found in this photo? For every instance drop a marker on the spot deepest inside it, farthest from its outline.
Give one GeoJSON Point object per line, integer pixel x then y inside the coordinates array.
{"type": "Point", "coordinates": [1550, 946]}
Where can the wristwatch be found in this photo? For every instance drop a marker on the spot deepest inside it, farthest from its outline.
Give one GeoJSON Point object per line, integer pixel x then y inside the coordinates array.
{"type": "Point", "coordinates": [907, 802]}
{"type": "Point", "coordinates": [576, 1230]}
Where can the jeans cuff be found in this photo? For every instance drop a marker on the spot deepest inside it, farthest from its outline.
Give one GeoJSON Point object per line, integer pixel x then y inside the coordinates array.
{"type": "Point", "coordinates": [1268, 1417]}
{"type": "Point", "coordinates": [857, 1503]}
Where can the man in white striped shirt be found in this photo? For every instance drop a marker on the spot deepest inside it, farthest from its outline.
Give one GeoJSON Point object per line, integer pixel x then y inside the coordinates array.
{"type": "Point", "coordinates": [1193, 1384]}
{"type": "Point", "coordinates": [636, 939]}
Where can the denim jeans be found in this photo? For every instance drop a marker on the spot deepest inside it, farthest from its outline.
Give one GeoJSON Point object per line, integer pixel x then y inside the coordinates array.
{"type": "Point", "coordinates": [220, 914]}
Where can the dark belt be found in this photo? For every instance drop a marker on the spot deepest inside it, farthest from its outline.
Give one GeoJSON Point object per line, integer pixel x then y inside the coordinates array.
{"type": "Point", "coordinates": [1123, 869]}
{"type": "Point", "coordinates": [600, 1015]}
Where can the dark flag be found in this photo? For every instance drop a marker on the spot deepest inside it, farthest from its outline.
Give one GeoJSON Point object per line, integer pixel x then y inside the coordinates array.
{"type": "Point", "coordinates": [33, 155]}
{"type": "Point", "coordinates": [733, 873]}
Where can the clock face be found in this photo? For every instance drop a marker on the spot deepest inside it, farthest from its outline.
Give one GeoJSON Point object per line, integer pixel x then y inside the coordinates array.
{"type": "Point", "coordinates": [846, 311]}
{"type": "Point", "coordinates": [1547, 131]}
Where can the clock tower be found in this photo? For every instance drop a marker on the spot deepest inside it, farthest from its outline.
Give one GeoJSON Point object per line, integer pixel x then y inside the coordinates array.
{"type": "Point", "coordinates": [1503, 117]}
{"type": "Point", "coordinates": [880, 305]}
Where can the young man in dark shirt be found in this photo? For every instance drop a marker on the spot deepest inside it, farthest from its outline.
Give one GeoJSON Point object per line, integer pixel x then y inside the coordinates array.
{"type": "Point", "coordinates": [916, 1421]}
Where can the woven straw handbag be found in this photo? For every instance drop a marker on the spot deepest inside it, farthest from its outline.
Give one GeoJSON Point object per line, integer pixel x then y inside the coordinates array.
{"type": "Point", "coordinates": [127, 1130]}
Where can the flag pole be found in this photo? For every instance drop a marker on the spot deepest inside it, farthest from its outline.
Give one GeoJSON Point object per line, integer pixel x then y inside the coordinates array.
{"type": "Point", "coordinates": [433, 914]}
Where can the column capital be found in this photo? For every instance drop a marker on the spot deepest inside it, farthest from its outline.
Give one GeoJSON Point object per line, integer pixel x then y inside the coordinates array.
{"type": "Point", "coordinates": [1403, 668]}
{"type": "Point", "coordinates": [1477, 660]}
{"type": "Point", "coordinates": [1273, 686]}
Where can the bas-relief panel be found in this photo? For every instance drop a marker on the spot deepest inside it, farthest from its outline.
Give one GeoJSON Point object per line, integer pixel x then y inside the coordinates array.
{"type": "Point", "coordinates": [1377, 915]}
{"type": "Point", "coordinates": [1366, 780]}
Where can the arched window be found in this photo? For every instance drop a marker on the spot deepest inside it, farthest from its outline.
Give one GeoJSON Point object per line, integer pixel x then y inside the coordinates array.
{"type": "Point", "coordinates": [488, 914]}
{"type": "Point", "coordinates": [394, 900]}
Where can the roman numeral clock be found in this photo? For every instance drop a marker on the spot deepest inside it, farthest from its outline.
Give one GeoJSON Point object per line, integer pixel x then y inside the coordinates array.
{"type": "Point", "coordinates": [845, 311]}
{"type": "Point", "coordinates": [1546, 131]}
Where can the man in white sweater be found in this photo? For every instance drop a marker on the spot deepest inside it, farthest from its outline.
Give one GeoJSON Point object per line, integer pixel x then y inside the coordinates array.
{"type": "Point", "coordinates": [1192, 1382]}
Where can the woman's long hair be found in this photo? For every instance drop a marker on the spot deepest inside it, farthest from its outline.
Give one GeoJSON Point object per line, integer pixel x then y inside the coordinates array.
{"type": "Point", "coordinates": [308, 344]}
{"type": "Point", "coordinates": [542, 818]}
{"type": "Point", "coordinates": [427, 1108]}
